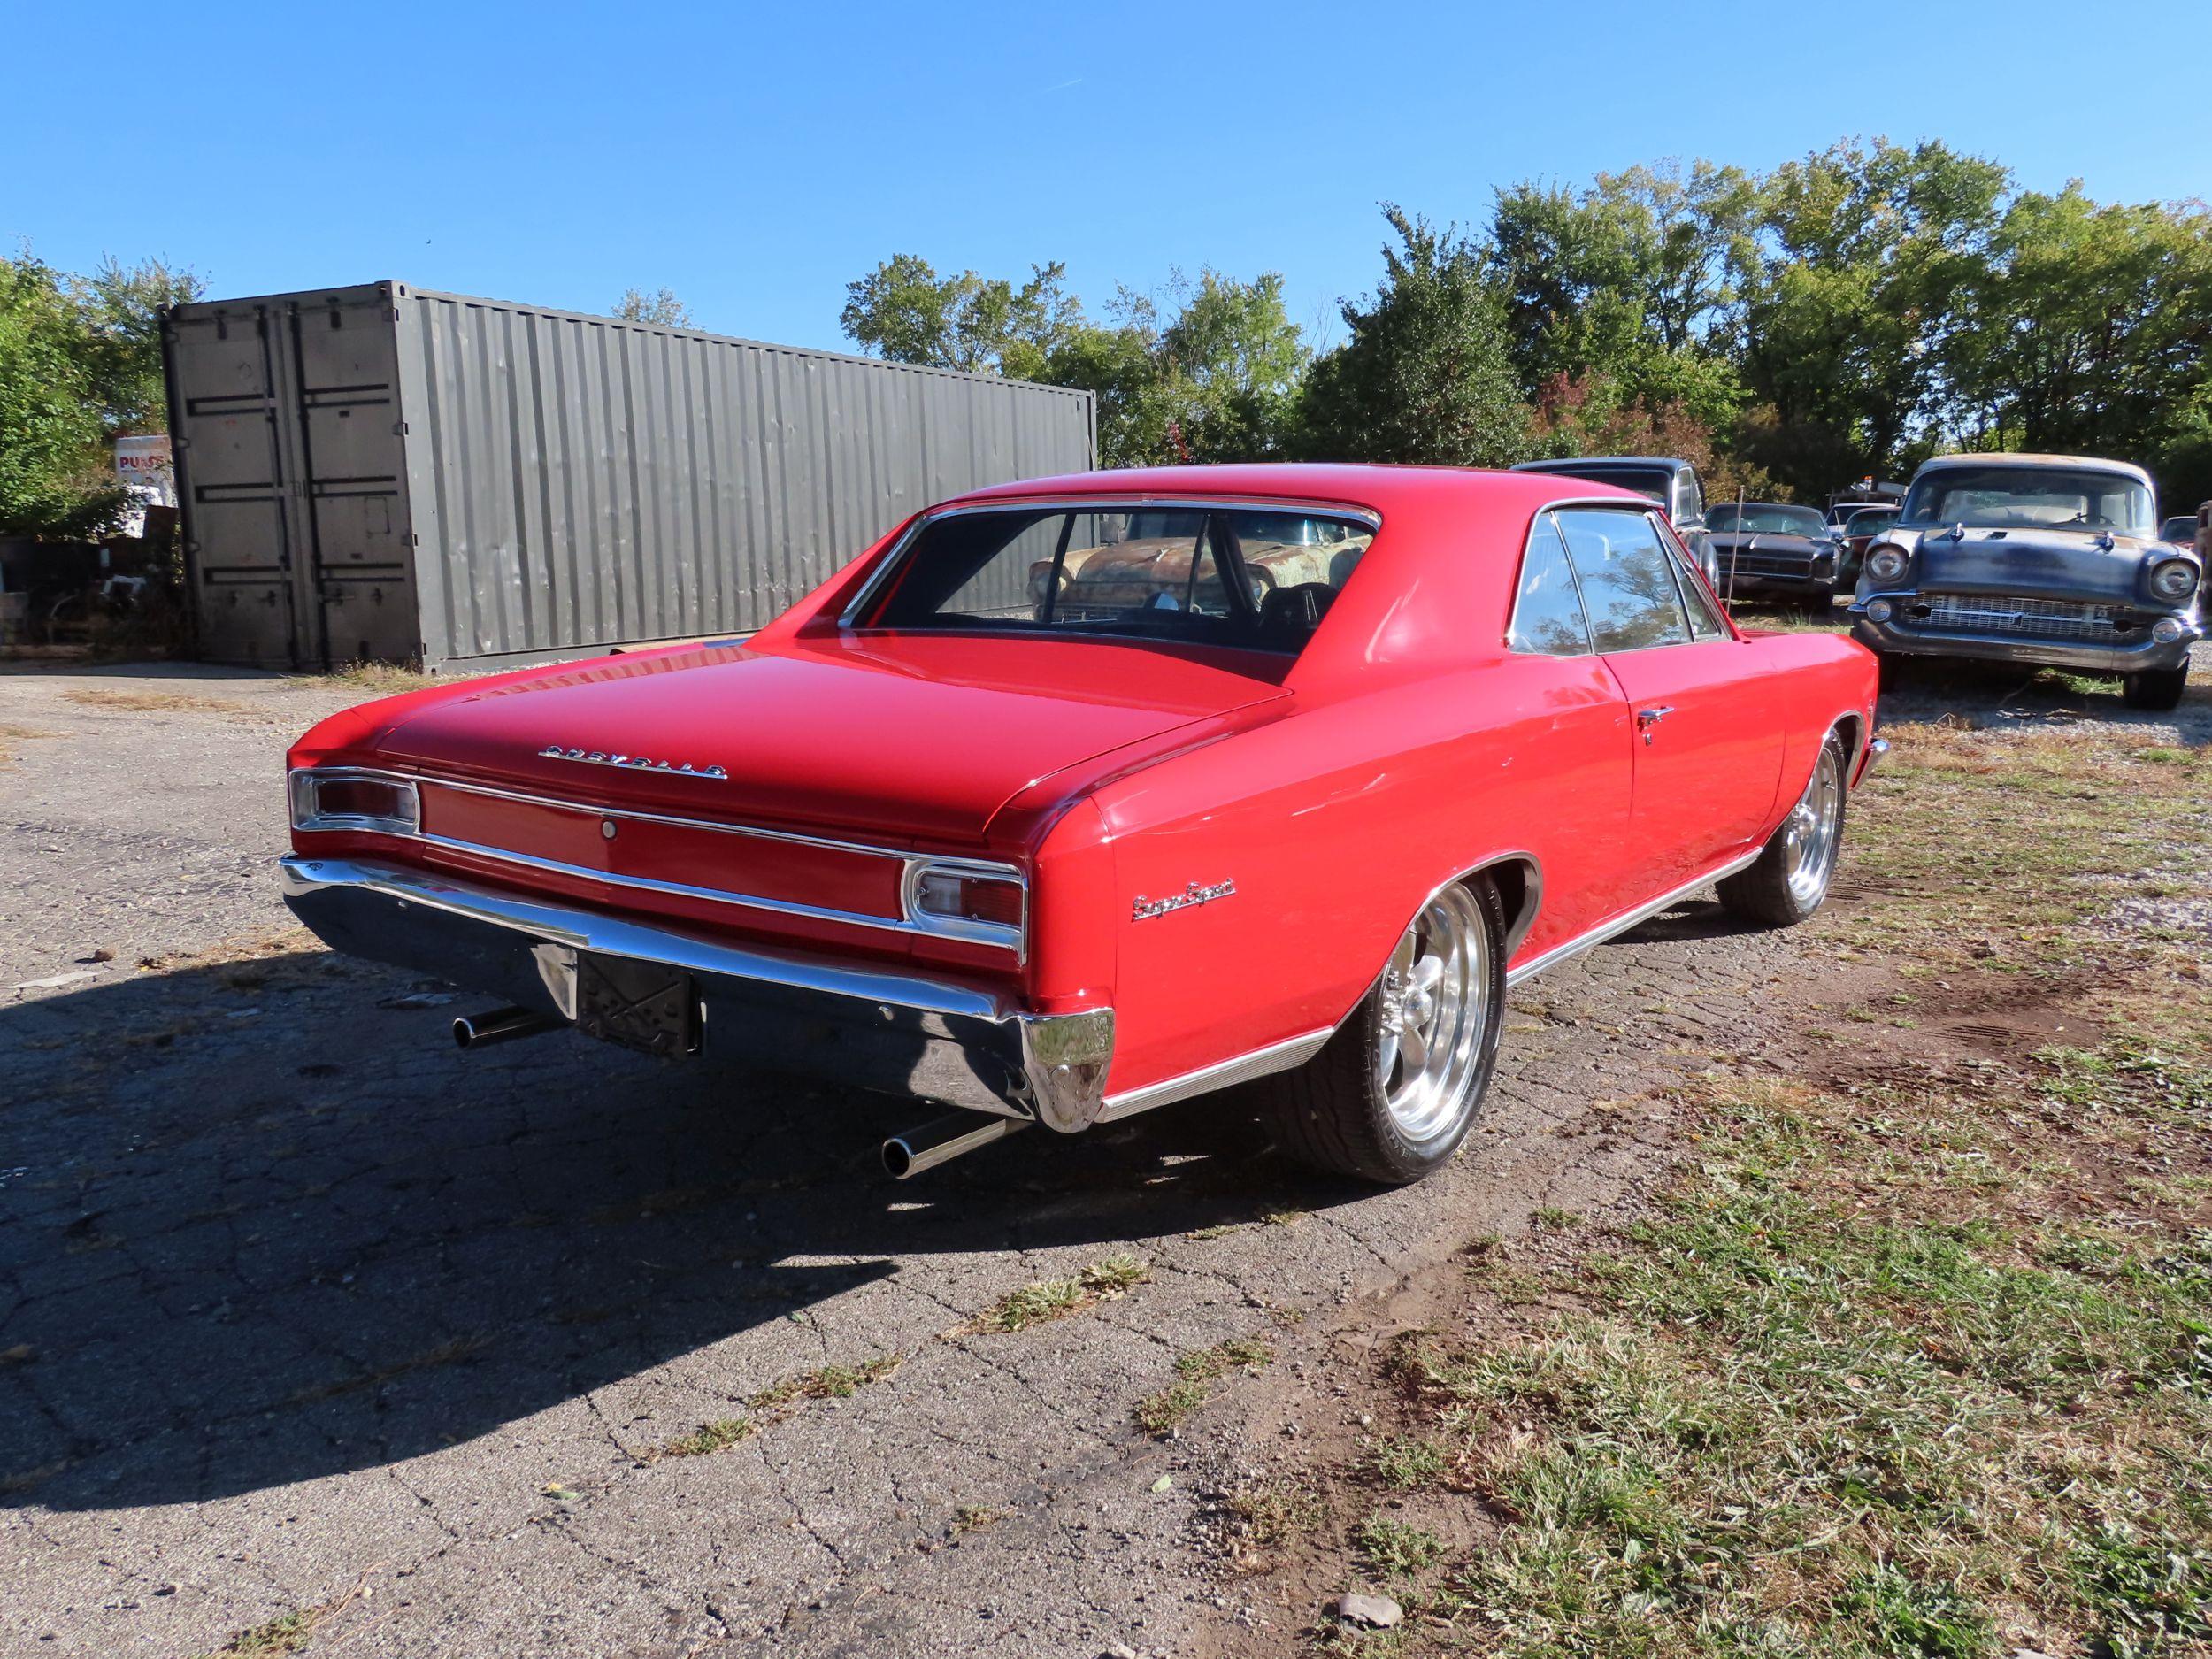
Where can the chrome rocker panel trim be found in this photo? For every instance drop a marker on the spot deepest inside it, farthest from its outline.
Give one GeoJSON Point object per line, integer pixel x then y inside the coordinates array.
{"type": "Point", "coordinates": [967, 1047]}
{"type": "Point", "coordinates": [1625, 920]}
{"type": "Point", "coordinates": [1278, 1056]}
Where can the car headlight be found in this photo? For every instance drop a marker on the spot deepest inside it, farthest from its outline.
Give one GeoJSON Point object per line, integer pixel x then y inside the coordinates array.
{"type": "Point", "coordinates": [1886, 563]}
{"type": "Point", "coordinates": [341, 798]}
{"type": "Point", "coordinates": [2173, 580]}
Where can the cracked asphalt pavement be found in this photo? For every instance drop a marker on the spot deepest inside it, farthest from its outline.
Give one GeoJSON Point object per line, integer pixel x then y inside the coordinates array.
{"type": "Point", "coordinates": [304, 1311]}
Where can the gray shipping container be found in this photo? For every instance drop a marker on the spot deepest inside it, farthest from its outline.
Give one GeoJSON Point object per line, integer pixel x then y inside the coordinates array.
{"type": "Point", "coordinates": [381, 474]}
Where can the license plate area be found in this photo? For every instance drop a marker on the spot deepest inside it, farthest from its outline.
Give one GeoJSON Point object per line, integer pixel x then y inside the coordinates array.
{"type": "Point", "coordinates": [641, 1005]}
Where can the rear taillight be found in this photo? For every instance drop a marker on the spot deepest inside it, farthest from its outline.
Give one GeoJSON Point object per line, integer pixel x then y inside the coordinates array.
{"type": "Point", "coordinates": [341, 799]}
{"type": "Point", "coordinates": [966, 899]}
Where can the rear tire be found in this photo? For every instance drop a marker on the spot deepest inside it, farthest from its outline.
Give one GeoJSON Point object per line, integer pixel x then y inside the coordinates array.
{"type": "Point", "coordinates": [1790, 876]}
{"type": "Point", "coordinates": [1392, 1094]}
{"type": "Point", "coordinates": [2158, 688]}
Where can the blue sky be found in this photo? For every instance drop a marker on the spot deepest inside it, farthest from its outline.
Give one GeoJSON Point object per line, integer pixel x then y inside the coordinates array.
{"type": "Point", "coordinates": [756, 160]}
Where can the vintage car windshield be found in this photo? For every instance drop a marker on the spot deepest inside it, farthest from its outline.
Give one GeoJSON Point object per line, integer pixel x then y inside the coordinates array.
{"type": "Point", "coordinates": [2181, 527]}
{"type": "Point", "coordinates": [1860, 520]}
{"type": "Point", "coordinates": [1757, 518]}
{"type": "Point", "coordinates": [1249, 578]}
{"type": "Point", "coordinates": [2029, 499]}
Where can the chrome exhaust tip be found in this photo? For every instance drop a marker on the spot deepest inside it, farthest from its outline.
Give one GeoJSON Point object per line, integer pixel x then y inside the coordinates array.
{"type": "Point", "coordinates": [908, 1154]}
{"type": "Point", "coordinates": [476, 1031]}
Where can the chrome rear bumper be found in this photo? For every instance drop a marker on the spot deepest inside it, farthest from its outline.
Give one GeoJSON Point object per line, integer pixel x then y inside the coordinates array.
{"type": "Point", "coordinates": [896, 1031]}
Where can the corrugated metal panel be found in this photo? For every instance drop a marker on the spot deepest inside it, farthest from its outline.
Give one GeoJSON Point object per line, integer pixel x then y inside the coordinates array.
{"type": "Point", "coordinates": [584, 482]}
{"type": "Point", "coordinates": [548, 482]}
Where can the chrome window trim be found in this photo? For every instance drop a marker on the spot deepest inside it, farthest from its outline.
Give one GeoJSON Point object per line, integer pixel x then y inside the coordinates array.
{"type": "Point", "coordinates": [909, 920]}
{"type": "Point", "coordinates": [1119, 501]}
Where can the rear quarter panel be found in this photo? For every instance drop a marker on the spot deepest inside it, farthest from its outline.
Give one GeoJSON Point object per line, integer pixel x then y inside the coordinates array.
{"type": "Point", "coordinates": [1334, 822]}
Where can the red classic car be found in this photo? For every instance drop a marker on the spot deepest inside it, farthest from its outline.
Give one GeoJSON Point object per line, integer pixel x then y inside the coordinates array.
{"type": "Point", "coordinates": [1296, 819]}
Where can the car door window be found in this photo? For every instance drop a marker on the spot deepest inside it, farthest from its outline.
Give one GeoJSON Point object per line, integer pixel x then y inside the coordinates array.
{"type": "Point", "coordinates": [1627, 577]}
{"type": "Point", "coordinates": [1693, 499]}
{"type": "Point", "coordinates": [1548, 618]}
{"type": "Point", "coordinates": [1705, 622]}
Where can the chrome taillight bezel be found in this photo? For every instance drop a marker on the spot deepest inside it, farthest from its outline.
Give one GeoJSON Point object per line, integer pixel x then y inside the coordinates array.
{"type": "Point", "coordinates": [304, 786]}
{"type": "Point", "coordinates": [937, 924]}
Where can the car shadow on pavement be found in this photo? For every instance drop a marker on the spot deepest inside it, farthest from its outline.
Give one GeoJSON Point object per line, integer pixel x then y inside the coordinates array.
{"type": "Point", "coordinates": [260, 1222]}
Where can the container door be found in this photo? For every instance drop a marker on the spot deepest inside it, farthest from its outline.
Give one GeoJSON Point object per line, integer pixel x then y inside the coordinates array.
{"type": "Point", "coordinates": [238, 541]}
{"type": "Point", "coordinates": [344, 375]}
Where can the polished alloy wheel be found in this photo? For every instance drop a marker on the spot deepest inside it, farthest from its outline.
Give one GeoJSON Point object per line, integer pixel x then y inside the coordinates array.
{"type": "Point", "coordinates": [1435, 1007]}
{"type": "Point", "coordinates": [1814, 827]}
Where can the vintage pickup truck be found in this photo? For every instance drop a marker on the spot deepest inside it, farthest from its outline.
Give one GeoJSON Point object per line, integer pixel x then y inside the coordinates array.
{"type": "Point", "coordinates": [1073, 798]}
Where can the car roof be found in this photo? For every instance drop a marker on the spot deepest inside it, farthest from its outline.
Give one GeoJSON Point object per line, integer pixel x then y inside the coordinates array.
{"type": "Point", "coordinates": [2096, 462]}
{"type": "Point", "coordinates": [1567, 464]}
{"type": "Point", "coordinates": [1376, 488]}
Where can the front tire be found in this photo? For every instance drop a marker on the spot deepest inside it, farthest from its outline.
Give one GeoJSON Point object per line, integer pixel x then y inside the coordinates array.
{"type": "Point", "coordinates": [1790, 878]}
{"type": "Point", "coordinates": [1392, 1094]}
{"type": "Point", "coordinates": [2156, 688]}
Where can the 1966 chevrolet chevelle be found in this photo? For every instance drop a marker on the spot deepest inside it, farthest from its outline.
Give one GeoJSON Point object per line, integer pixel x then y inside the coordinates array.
{"type": "Point", "coordinates": [1073, 798]}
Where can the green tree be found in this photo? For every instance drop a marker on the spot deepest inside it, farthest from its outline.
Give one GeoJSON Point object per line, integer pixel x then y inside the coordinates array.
{"type": "Point", "coordinates": [1425, 375]}
{"type": "Point", "coordinates": [904, 311]}
{"type": "Point", "coordinates": [663, 309]}
{"type": "Point", "coordinates": [1865, 255]}
{"type": "Point", "coordinates": [55, 478]}
{"type": "Point", "coordinates": [119, 310]}
{"type": "Point", "coordinates": [1218, 381]}
{"type": "Point", "coordinates": [2087, 329]}
{"type": "Point", "coordinates": [1215, 381]}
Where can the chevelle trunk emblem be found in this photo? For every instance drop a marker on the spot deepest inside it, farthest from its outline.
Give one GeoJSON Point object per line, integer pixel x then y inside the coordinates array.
{"type": "Point", "coordinates": [1144, 909]}
{"type": "Point", "coordinates": [634, 763]}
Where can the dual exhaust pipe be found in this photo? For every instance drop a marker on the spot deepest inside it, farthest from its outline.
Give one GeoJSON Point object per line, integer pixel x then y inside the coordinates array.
{"type": "Point", "coordinates": [905, 1156]}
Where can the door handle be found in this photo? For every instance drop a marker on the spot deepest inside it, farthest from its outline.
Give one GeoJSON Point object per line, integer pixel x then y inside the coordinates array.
{"type": "Point", "coordinates": [1646, 719]}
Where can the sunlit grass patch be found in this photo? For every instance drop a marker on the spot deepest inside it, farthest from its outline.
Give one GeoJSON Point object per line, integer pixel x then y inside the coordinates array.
{"type": "Point", "coordinates": [1050, 1298]}
{"type": "Point", "coordinates": [1812, 1405]}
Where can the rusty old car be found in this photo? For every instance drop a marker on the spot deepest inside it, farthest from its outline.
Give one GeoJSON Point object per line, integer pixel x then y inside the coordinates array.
{"type": "Point", "coordinates": [2039, 559]}
{"type": "Point", "coordinates": [1321, 760]}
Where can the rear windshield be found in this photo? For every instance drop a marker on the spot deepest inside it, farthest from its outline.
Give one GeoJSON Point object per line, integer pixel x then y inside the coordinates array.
{"type": "Point", "coordinates": [1867, 517]}
{"type": "Point", "coordinates": [2183, 529]}
{"type": "Point", "coordinates": [1251, 579]}
{"type": "Point", "coordinates": [1651, 482]}
{"type": "Point", "coordinates": [2029, 499]}
{"type": "Point", "coordinates": [1760, 518]}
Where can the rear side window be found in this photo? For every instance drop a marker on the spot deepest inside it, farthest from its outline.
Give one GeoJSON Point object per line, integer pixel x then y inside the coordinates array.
{"type": "Point", "coordinates": [1627, 579]}
{"type": "Point", "coordinates": [1548, 618]}
{"type": "Point", "coordinates": [1692, 497]}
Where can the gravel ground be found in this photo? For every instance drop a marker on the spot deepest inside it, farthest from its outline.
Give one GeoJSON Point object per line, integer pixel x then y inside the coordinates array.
{"type": "Point", "coordinates": [302, 1309]}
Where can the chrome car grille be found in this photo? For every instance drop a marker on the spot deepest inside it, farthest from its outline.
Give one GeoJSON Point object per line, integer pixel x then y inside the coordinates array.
{"type": "Point", "coordinates": [2031, 618]}
{"type": "Point", "coordinates": [1798, 564]}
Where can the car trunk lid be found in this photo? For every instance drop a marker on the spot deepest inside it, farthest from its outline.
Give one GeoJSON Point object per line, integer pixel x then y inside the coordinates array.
{"type": "Point", "coordinates": [897, 739]}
